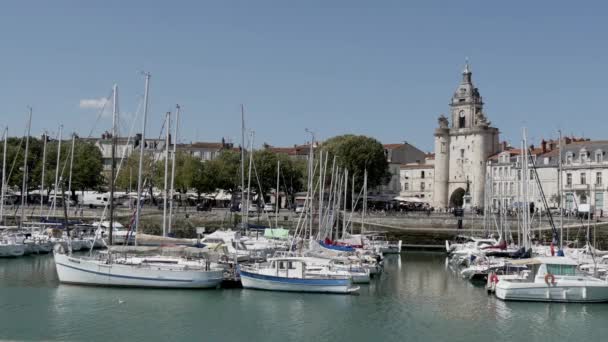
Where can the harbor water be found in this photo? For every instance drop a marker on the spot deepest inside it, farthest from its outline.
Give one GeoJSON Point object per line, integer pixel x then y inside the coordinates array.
{"type": "Point", "coordinates": [417, 298]}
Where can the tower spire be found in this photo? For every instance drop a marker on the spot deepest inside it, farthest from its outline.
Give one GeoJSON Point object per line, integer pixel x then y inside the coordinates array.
{"type": "Point", "coordinates": [466, 73]}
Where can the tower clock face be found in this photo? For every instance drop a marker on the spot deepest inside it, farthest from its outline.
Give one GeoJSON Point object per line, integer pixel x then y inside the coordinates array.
{"type": "Point", "coordinates": [462, 113]}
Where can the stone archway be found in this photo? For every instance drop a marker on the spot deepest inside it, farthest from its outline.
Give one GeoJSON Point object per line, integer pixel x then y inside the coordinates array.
{"type": "Point", "coordinates": [457, 198]}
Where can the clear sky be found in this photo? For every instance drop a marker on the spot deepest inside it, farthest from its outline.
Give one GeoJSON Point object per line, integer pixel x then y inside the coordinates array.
{"type": "Point", "coordinates": [381, 68]}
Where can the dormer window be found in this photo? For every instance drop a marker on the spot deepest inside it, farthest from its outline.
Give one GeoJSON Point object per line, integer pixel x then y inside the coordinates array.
{"type": "Point", "coordinates": [569, 157]}
{"type": "Point", "coordinates": [583, 156]}
{"type": "Point", "coordinates": [599, 156]}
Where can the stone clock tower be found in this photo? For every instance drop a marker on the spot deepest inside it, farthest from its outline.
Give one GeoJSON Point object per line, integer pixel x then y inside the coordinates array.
{"type": "Point", "coordinates": [462, 148]}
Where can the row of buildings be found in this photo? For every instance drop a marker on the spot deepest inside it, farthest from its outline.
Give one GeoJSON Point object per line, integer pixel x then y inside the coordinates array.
{"type": "Point", "coordinates": [469, 164]}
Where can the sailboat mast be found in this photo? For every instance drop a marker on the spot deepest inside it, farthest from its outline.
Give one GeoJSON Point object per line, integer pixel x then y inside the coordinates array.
{"type": "Point", "coordinates": [321, 181]}
{"type": "Point", "coordinates": [113, 162]}
{"type": "Point", "coordinates": [166, 189]}
{"type": "Point", "coordinates": [525, 178]}
{"type": "Point", "coordinates": [345, 199]}
{"type": "Point", "coordinates": [243, 217]}
{"type": "Point", "coordinates": [311, 183]}
{"type": "Point", "coordinates": [57, 168]}
{"type": "Point", "coordinates": [246, 213]}
{"type": "Point", "coordinates": [352, 201]}
{"type": "Point", "coordinates": [560, 191]}
{"type": "Point", "coordinates": [24, 185]}
{"type": "Point", "coordinates": [3, 176]}
{"type": "Point", "coordinates": [141, 157]}
{"type": "Point", "coordinates": [177, 108]}
{"type": "Point", "coordinates": [44, 136]}
{"type": "Point", "coordinates": [364, 213]}
{"type": "Point", "coordinates": [70, 175]}
{"type": "Point", "coordinates": [276, 195]}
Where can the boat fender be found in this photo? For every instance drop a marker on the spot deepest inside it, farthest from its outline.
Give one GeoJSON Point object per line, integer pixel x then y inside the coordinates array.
{"type": "Point", "coordinates": [494, 278]}
{"type": "Point", "coordinates": [549, 279]}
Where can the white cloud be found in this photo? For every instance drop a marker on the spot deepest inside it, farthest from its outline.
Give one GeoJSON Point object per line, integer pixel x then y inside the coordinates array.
{"type": "Point", "coordinates": [94, 103]}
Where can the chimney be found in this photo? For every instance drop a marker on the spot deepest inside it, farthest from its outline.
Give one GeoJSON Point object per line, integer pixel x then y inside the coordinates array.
{"type": "Point", "coordinates": [543, 144]}
{"type": "Point", "coordinates": [504, 146]}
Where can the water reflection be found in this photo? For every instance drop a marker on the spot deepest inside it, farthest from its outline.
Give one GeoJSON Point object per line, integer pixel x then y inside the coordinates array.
{"type": "Point", "coordinates": [416, 298]}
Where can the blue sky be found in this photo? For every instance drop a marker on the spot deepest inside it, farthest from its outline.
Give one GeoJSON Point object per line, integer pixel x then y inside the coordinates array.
{"type": "Point", "coordinates": [381, 68]}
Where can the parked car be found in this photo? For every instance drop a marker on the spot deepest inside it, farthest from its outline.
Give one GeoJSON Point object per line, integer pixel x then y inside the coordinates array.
{"type": "Point", "coordinates": [203, 207]}
{"type": "Point", "coordinates": [299, 208]}
{"type": "Point", "coordinates": [269, 208]}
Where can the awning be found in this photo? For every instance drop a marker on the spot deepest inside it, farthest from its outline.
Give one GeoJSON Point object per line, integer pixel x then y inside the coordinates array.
{"type": "Point", "coordinates": [409, 199]}
{"type": "Point", "coordinates": [276, 233]}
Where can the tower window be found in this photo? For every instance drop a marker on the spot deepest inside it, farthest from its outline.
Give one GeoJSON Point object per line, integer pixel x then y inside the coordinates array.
{"type": "Point", "coordinates": [462, 153]}
{"type": "Point", "coordinates": [461, 119]}
{"type": "Point", "coordinates": [442, 147]}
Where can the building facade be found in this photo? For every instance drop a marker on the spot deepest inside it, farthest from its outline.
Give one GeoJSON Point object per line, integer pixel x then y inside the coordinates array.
{"type": "Point", "coordinates": [583, 176]}
{"type": "Point", "coordinates": [417, 181]}
{"type": "Point", "coordinates": [462, 148]}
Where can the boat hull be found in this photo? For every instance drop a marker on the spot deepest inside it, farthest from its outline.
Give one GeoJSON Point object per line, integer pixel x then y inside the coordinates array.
{"type": "Point", "coordinates": [271, 283]}
{"type": "Point", "coordinates": [92, 272]}
{"type": "Point", "coordinates": [544, 293]}
{"type": "Point", "coordinates": [12, 251]}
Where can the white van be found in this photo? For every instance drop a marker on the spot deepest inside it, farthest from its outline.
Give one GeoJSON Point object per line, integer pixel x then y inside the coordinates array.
{"type": "Point", "coordinates": [584, 210]}
{"type": "Point", "coordinates": [94, 199]}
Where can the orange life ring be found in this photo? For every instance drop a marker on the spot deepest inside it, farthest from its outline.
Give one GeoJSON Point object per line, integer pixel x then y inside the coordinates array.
{"type": "Point", "coordinates": [494, 278]}
{"type": "Point", "coordinates": [549, 276]}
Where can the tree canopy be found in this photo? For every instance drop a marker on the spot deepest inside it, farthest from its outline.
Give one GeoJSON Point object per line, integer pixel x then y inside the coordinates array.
{"type": "Point", "coordinates": [356, 153]}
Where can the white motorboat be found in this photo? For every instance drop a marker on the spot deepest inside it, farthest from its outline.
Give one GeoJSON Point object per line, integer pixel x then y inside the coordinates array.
{"type": "Point", "coordinates": [598, 268]}
{"type": "Point", "coordinates": [552, 279]}
{"type": "Point", "coordinates": [120, 233]}
{"type": "Point", "coordinates": [229, 242]}
{"type": "Point", "coordinates": [293, 274]}
{"type": "Point", "coordinates": [157, 271]}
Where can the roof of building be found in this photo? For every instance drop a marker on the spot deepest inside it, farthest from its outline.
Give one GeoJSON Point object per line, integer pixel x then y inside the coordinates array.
{"type": "Point", "coordinates": [416, 166]}
{"type": "Point", "coordinates": [202, 144]}
{"type": "Point", "coordinates": [392, 146]}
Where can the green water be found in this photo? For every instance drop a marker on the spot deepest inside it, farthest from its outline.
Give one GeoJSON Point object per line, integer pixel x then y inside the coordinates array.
{"type": "Point", "coordinates": [416, 299]}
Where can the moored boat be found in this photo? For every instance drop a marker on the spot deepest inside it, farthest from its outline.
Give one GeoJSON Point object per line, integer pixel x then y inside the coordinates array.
{"type": "Point", "coordinates": [552, 279]}
{"type": "Point", "coordinates": [291, 274]}
{"type": "Point", "coordinates": [156, 271]}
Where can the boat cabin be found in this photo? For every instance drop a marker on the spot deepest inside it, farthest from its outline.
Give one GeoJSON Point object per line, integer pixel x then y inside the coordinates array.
{"type": "Point", "coordinates": [288, 267]}
{"type": "Point", "coordinates": [539, 267]}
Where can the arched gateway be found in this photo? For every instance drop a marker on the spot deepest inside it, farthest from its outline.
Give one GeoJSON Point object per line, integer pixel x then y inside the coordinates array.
{"type": "Point", "coordinates": [457, 198]}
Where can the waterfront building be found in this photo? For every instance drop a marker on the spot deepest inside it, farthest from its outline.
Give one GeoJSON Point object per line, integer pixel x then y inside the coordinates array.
{"type": "Point", "coordinates": [504, 173]}
{"type": "Point", "coordinates": [417, 180]}
{"type": "Point", "coordinates": [205, 150]}
{"type": "Point", "coordinates": [584, 174]}
{"type": "Point", "coordinates": [396, 156]}
{"type": "Point", "coordinates": [155, 147]}
{"type": "Point", "coordinates": [462, 148]}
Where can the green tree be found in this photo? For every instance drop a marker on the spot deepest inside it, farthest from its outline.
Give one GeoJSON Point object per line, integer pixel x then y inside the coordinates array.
{"type": "Point", "coordinates": [358, 153]}
{"type": "Point", "coordinates": [127, 175]}
{"type": "Point", "coordinates": [224, 172]}
{"type": "Point", "coordinates": [87, 168]}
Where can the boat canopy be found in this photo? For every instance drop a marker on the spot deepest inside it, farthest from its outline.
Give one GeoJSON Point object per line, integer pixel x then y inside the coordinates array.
{"type": "Point", "coordinates": [545, 260]}
{"type": "Point", "coordinates": [276, 233]}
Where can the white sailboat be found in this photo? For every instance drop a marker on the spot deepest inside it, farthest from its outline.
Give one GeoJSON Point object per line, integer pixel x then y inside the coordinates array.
{"type": "Point", "coordinates": [110, 269]}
